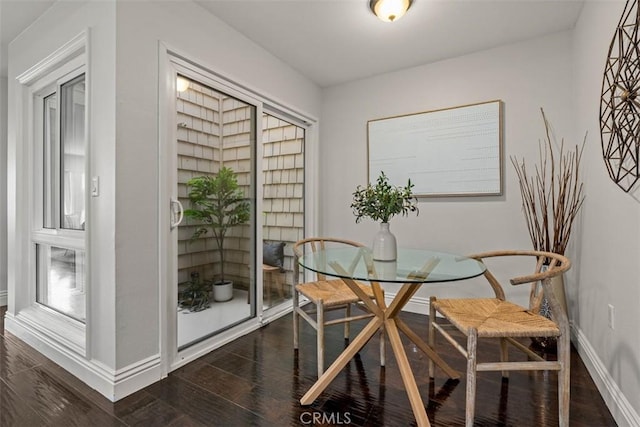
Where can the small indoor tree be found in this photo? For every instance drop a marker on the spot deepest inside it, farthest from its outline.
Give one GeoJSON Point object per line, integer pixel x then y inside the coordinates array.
{"type": "Point", "coordinates": [217, 204]}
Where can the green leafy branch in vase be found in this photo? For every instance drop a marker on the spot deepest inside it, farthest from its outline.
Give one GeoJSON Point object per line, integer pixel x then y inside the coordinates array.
{"type": "Point", "coordinates": [382, 201]}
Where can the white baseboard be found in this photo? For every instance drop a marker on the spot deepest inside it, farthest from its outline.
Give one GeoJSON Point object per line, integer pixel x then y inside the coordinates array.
{"type": "Point", "coordinates": [113, 384]}
{"type": "Point", "coordinates": [417, 305]}
{"type": "Point", "coordinates": [3, 298]}
{"type": "Point", "coordinates": [616, 401]}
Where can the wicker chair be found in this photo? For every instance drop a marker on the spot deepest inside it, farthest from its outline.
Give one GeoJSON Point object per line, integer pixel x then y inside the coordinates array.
{"type": "Point", "coordinates": [498, 318]}
{"type": "Point", "coordinates": [326, 295]}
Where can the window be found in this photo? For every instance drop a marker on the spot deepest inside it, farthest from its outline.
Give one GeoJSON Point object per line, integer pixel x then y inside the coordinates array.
{"type": "Point", "coordinates": [58, 231]}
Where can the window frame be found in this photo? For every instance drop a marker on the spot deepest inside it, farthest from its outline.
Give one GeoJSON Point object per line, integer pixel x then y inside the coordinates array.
{"type": "Point", "coordinates": [40, 84]}
{"type": "Point", "coordinates": [56, 235]}
{"type": "Point", "coordinates": [63, 337]}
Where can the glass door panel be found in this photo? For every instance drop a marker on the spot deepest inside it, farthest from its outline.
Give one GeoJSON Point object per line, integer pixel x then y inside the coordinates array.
{"type": "Point", "coordinates": [283, 205]}
{"type": "Point", "coordinates": [215, 131]}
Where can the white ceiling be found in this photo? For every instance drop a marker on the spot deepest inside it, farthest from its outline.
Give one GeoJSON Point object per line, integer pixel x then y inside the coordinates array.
{"type": "Point", "coordinates": [332, 41]}
{"type": "Point", "coordinates": [15, 16]}
{"type": "Point", "coordinates": [336, 41]}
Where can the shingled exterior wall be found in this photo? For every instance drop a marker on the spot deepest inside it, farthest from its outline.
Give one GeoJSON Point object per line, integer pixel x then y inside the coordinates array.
{"type": "Point", "coordinates": [207, 140]}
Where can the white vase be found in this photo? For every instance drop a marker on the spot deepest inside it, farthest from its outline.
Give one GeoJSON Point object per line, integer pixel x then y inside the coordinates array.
{"type": "Point", "coordinates": [386, 270]}
{"type": "Point", "coordinates": [384, 246]}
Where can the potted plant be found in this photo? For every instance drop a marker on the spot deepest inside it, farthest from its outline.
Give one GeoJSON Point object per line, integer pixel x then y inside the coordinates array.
{"type": "Point", "coordinates": [381, 202]}
{"type": "Point", "coordinates": [550, 201]}
{"type": "Point", "coordinates": [218, 204]}
{"type": "Point", "coordinates": [195, 295]}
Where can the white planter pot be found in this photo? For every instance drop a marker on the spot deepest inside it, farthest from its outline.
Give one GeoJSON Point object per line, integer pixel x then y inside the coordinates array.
{"type": "Point", "coordinates": [385, 247]}
{"type": "Point", "coordinates": [223, 291]}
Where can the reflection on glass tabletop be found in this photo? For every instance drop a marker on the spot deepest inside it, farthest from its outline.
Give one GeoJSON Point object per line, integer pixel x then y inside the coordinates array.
{"type": "Point", "coordinates": [411, 265]}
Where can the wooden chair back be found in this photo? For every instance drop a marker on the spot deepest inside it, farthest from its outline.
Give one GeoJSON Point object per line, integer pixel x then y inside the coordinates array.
{"type": "Point", "coordinates": [316, 244]}
{"type": "Point", "coordinates": [548, 265]}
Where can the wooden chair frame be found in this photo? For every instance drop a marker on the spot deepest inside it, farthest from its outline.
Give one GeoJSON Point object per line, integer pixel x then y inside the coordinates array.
{"type": "Point", "coordinates": [270, 276]}
{"type": "Point", "coordinates": [468, 316]}
{"type": "Point", "coordinates": [342, 298]}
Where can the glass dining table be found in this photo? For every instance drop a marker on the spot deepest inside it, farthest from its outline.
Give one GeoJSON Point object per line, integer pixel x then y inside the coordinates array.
{"type": "Point", "coordinates": [412, 269]}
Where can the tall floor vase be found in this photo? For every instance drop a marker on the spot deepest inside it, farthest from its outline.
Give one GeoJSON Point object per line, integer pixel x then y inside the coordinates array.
{"type": "Point", "coordinates": [385, 247]}
{"type": "Point", "coordinates": [557, 286]}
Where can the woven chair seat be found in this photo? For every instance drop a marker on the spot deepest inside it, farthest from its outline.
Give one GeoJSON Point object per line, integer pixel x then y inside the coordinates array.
{"type": "Point", "coordinates": [494, 317]}
{"type": "Point", "coordinates": [331, 292]}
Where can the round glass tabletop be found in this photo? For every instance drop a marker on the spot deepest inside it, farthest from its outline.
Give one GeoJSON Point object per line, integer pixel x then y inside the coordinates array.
{"type": "Point", "coordinates": [411, 265]}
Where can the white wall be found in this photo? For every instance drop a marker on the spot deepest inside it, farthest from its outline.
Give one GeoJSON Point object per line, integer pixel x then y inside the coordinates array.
{"type": "Point", "coordinates": [56, 27]}
{"type": "Point", "coordinates": [607, 265]}
{"type": "Point", "coordinates": [3, 184]}
{"type": "Point", "coordinates": [3, 172]}
{"type": "Point", "coordinates": [563, 74]}
{"type": "Point", "coordinates": [202, 38]}
{"type": "Point", "coordinates": [544, 72]}
{"type": "Point", "coordinates": [123, 325]}
{"type": "Point", "coordinates": [525, 76]}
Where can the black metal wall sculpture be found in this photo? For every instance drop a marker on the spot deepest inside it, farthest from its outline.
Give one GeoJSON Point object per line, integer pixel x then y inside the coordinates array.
{"type": "Point", "coordinates": [620, 101]}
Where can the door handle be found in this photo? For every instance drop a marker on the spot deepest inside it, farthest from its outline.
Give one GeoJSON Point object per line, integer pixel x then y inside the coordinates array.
{"type": "Point", "coordinates": [176, 214]}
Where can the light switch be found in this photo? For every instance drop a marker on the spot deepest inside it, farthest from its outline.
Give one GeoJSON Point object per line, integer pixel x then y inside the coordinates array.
{"type": "Point", "coordinates": [95, 187]}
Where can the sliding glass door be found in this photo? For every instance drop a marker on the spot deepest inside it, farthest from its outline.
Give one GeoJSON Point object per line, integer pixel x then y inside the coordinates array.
{"type": "Point", "coordinates": [232, 206]}
{"type": "Point", "coordinates": [215, 171]}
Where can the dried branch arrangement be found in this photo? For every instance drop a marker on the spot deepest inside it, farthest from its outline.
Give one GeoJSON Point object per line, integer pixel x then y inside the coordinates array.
{"type": "Point", "coordinates": [552, 197]}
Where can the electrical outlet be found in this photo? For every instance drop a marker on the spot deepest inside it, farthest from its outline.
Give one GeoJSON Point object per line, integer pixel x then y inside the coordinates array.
{"type": "Point", "coordinates": [611, 317]}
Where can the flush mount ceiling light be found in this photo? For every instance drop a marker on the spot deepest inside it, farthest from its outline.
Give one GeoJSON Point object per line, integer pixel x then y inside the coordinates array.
{"type": "Point", "coordinates": [389, 10]}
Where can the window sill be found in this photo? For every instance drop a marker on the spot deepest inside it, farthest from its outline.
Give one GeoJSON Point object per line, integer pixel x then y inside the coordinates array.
{"type": "Point", "coordinates": [50, 325]}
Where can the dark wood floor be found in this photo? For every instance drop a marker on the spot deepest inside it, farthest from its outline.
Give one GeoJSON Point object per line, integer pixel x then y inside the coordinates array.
{"type": "Point", "coordinates": [257, 381]}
